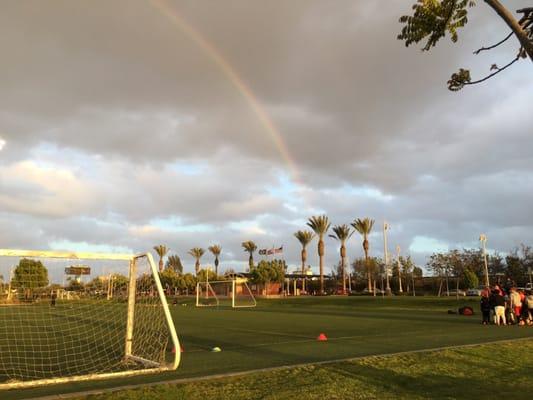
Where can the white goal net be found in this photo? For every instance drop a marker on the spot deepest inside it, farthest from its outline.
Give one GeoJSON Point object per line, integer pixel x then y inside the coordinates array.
{"type": "Point", "coordinates": [72, 316]}
{"type": "Point", "coordinates": [231, 293]}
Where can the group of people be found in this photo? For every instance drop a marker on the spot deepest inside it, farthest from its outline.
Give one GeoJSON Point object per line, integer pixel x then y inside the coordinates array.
{"type": "Point", "coordinates": [507, 307]}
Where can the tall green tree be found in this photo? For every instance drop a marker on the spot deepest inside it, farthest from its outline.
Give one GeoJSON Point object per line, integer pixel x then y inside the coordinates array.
{"type": "Point", "coordinates": [29, 274]}
{"type": "Point", "coordinates": [342, 234]}
{"type": "Point", "coordinates": [320, 225]}
{"type": "Point", "coordinates": [250, 247]}
{"type": "Point", "coordinates": [364, 227]}
{"type": "Point", "coordinates": [215, 250]}
{"type": "Point", "coordinates": [431, 20]}
{"type": "Point", "coordinates": [161, 251]}
{"type": "Point", "coordinates": [304, 237]}
{"type": "Point", "coordinates": [174, 263]}
{"type": "Point", "coordinates": [197, 253]}
{"type": "Point", "coordinates": [268, 272]}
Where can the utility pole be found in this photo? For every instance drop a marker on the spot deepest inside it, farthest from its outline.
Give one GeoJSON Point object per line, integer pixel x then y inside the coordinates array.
{"type": "Point", "coordinates": [398, 249]}
{"type": "Point", "coordinates": [483, 240]}
{"type": "Point", "coordinates": [386, 256]}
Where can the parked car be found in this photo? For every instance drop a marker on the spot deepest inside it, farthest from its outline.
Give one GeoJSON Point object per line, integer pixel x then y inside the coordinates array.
{"type": "Point", "coordinates": [473, 292]}
{"type": "Point", "coordinates": [379, 292]}
{"type": "Point", "coordinates": [456, 292]}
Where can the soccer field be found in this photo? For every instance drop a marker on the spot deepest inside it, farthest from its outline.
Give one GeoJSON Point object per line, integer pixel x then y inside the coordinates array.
{"type": "Point", "coordinates": [284, 332]}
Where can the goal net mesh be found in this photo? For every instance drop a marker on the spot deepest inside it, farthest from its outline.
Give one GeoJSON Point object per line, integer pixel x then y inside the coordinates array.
{"type": "Point", "coordinates": [232, 293]}
{"type": "Point", "coordinates": [63, 318]}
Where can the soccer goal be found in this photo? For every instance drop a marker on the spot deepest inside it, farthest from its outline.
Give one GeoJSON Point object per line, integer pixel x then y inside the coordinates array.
{"type": "Point", "coordinates": [233, 293]}
{"type": "Point", "coordinates": [68, 317]}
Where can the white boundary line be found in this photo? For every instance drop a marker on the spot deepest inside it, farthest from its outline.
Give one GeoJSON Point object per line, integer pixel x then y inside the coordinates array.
{"type": "Point", "coordinates": [269, 369]}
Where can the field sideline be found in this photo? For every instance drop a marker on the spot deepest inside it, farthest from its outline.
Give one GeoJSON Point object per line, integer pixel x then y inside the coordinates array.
{"type": "Point", "coordinates": [283, 332]}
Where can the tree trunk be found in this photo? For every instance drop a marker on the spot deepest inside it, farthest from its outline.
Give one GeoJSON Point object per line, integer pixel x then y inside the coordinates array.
{"type": "Point", "coordinates": [304, 259]}
{"type": "Point", "coordinates": [197, 267]}
{"type": "Point", "coordinates": [366, 248]}
{"type": "Point", "coordinates": [512, 23]}
{"type": "Point", "coordinates": [160, 264]}
{"type": "Point", "coordinates": [321, 264]}
{"type": "Point", "coordinates": [216, 265]}
{"type": "Point", "coordinates": [343, 257]}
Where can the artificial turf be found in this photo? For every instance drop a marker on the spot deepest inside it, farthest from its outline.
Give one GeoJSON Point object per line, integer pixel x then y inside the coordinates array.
{"type": "Point", "coordinates": [283, 332]}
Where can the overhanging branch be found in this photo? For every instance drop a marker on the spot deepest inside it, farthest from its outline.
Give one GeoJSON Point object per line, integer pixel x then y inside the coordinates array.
{"type": "Point", "coordinates": [494, 45]}
{"type": "Point", "coordinates": [496, 72]}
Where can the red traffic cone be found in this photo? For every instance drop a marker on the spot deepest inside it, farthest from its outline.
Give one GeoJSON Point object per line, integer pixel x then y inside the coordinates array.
{"type": "Point", "coordinates": [322, 337]}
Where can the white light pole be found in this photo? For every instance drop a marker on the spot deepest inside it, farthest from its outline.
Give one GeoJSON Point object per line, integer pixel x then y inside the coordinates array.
{"type": "Point", "coordinates": [483, 240]}
{"type": "Point", "coordinates": [386, 255]}
{"type": "Point", "coordinates": [398, 249]}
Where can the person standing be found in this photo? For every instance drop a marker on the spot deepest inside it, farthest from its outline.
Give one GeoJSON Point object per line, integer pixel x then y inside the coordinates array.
{"type": "Point", "coordinates": [529, 304]}
{"type": "Point", "coordinates": [485, 307]}
{"type": "Point", "coordinates": [516, 304]}
{"type": "Point", "coordinates": [499, 307]}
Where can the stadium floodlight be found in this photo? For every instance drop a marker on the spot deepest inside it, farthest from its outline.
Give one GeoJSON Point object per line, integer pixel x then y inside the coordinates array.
{"type": "Point", "coordinates": [386, 227]}
{"type": "Point", "coordinates": [483, 240]}
{"type": "Point", "coordinates": [52, 333]}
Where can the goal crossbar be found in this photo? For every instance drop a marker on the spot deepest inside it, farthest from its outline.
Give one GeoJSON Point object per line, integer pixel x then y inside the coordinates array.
{"type": "Point", "coordinates": [66, 254]}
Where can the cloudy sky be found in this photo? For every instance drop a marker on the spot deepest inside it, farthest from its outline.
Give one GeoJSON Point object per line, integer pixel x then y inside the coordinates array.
{"type": "Point", "coordinates": [127, 124]}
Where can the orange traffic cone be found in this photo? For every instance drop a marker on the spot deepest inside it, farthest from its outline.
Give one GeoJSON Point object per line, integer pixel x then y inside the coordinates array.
{"type": "Point", "coordinates": [322, 337]}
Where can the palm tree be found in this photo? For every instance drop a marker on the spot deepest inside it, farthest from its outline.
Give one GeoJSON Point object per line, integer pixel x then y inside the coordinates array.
{"type": "Point", "coordinates": [174, 263]}
{"type": "Point", "coordinates": [304, 237]}
{"type": "Point", "coordinates": [320, 225]}
{"type": "Point", "coordinates": [215, 250]}
{"type": "Point", "coordinates": [342, 234]}
{"type": "Point", "coordinates": [364, 227]}
{"type": "Point", "coordinates": [250, 247]}
{"type": "Point", "coordinates": [161, 251]}
{"type": "Point", "coordinates": [197, 253]}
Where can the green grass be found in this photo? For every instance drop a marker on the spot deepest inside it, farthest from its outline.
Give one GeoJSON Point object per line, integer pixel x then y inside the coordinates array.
{"type": "Point", "coordinates": [283, 332]}
{"type": "Point", "coordinates": [488, 371]}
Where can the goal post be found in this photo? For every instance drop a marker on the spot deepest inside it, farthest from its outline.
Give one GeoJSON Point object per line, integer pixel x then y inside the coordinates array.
{"type": "Point", "coordinates": [78, 316]}
{"type": "Point", "coordinates": [234, 293]}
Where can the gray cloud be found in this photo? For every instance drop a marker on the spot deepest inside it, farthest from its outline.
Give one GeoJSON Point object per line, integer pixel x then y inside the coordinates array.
{"type": "Point", "coordinates": [120, 130]}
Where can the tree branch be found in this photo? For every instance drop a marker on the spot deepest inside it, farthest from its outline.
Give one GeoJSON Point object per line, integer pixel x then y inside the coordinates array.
{"type": "Point", "coordinates": [494, 45]}
{"type": "Point", "coordinates": [498, 70]}
{"type": "Point", "coordinates": [511, 21]}
{"type": "Point", "coordinates": [461, 78]}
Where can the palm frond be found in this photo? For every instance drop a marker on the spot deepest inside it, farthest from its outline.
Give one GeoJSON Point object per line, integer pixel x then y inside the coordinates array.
{"type": "Point", "coordinates": [304, 237]}
{"type": "Point", "coordinates": [319, 224]}
{"type": "Point", "coordinates": [196, 252]}
{"type": "Point", "coordinates": [342, 233]}
{"type": "Point", "coordinates": [215, 249]}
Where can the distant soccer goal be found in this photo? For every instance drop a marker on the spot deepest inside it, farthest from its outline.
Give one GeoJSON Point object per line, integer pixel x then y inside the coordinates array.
{"type": "Point", "coordinates": [80, 316]}
{"type": "Point", "coordinates": [233, 293]}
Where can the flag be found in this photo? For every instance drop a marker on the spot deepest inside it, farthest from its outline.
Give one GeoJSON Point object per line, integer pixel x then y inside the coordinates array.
{"type": "Point", "coordinates": [279, 250]}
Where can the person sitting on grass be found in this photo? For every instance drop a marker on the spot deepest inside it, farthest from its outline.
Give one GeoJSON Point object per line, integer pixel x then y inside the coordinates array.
{"type": "Point", "coordinates": [485, 307]}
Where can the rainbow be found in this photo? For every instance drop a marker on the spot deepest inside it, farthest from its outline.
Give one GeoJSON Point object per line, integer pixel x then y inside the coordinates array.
{"type": "Point", "coordinates": [212, 52]}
